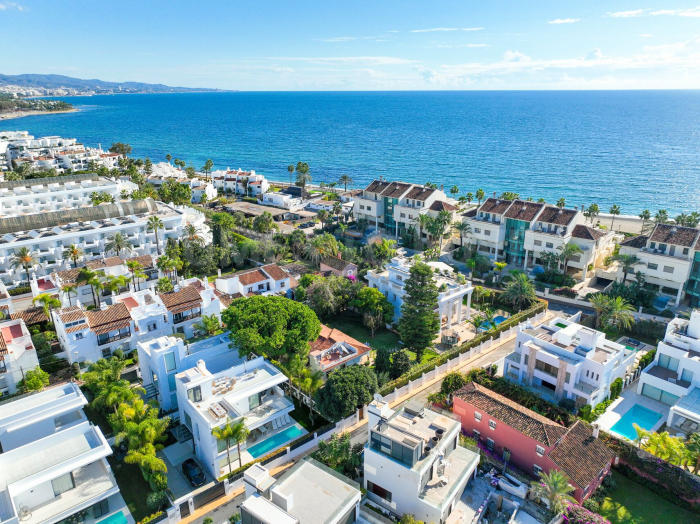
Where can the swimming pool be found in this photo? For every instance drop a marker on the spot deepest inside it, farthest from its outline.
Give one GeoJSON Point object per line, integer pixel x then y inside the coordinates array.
{"type": "Point", "coordinates": [645, 418]}
{"type": "Point", "coordinates": [496, 320]}
{"type": "Point", "coordinates": [275, 441]}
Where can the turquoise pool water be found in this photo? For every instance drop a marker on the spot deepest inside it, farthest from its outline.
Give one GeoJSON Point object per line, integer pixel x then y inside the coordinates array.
{"type": "Point", "coordinates": [496, 320]}
{"type": "Point", "coordinates": [643, 417]}
{"type": "Point", "coordinates": [117, 518]}
{"type": "Point", "coordinates": [275, 441]}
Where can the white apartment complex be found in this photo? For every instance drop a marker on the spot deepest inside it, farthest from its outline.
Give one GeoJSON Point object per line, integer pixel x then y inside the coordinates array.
{"type": "Point", "coordinates": [17, 354]}
{"type": "Point", "coordinates": [413, 463]}
{"type": "Point", "coordinates": [240, 182]}
{"type": "Point", "coordinates": [308, 493]}
{"type": "Point", "coordinates": [673, 378]}
{"type": "Point", "coordinates": [392, 280]}
{"type": "Point", "coordinates": [53, 466]}
{"type": "Point", "coordinates": [201, 189]}
{"type": "Point", "coordinates": [229, 388]}
{"type": "Point", "coordinates": [563, 359]}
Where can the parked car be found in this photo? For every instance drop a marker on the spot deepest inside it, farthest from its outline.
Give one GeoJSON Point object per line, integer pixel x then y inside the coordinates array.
{"type": "Point", "coordinates": [193, 473]}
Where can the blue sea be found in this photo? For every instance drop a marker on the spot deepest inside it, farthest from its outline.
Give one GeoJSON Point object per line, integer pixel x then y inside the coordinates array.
{"type": "Point", "coordinates": [637, 149]}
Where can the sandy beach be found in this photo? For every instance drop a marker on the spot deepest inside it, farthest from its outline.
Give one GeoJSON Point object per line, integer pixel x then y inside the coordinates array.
{"type": "Point", "coordinates": [20, 114]}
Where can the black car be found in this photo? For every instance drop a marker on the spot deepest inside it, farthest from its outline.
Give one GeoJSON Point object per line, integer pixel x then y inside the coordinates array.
{"type": "Point", "coordinates": [193, 473]}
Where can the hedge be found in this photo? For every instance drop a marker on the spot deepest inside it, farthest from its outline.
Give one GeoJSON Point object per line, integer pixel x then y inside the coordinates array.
{"type": "Point", "coordinates": [19, 290]}
{"type": "Point", "coordinates": [232, 235]}
{"type": "Point", "coordinates": [418, 370]}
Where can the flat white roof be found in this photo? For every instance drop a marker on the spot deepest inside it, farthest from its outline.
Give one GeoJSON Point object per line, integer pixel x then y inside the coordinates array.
{"type": "Point", "coordinates": [39, 406]}
{"type": "Point", "coordinates": [266, 511]}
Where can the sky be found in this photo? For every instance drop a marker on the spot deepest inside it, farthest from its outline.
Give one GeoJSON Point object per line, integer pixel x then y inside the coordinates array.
{"type": "Point", "coordinates": [360, 44]}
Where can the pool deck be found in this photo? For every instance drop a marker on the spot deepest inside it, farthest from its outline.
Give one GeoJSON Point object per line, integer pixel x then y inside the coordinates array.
{"type": "Point", "coordinates": [622, 405]}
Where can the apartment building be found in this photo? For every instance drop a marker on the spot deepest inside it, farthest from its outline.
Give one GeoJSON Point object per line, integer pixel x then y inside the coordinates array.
{"type": "Point", "coordinates": [53, 467]}
{"type": "Point", "coordinates": [201, 189]}
{"type": "Point", "coordinates": [395, 206]}
{"type": "Point", "coordinates": [413, 463]}
{"type": "Point", "coordinates": [670, 259]}
{"type": "Point", "coordinates": [673, 378]}
{"type": "Point", "coordinates": [240, 182]}
{"type": "Point", "coordinates": [531, 442]}
{"type": "Point", "coordinates": [334, 350]}
{"type": "Point", "coordinates": [392, 280]}
{"type": "Point", "coordinates": [25, 197]}
{"type": "Point", "coordinates": [563, 359]}
{"type": "Point", "coordinates": [228, 388]}
{"type": "Point", "coordinates": [21, 146]}
{"type": "Point", "coordinates": [47, 235]}
{"type": "Point", "coordinates": [308, 493]}
{"type": "Point", "coordinates": [264, 280]}
{"type": "Point", "coordinates": [17, 354]}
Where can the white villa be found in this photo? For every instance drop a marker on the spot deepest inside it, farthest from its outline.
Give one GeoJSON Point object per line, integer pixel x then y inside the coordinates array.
{"type": "Point", "coordinates": [240, 182]}
{"type": "Point", "coordinates": [413, 463]}
{"type": "Point", "coordinates": [53, 465]}
{"type": "Point", "coordinates": [563, 359]}
{"type": "Point", "coordinates": [163, 171]}
{"type": "Point", "coordinates": [17, 354]}
{"type": "Point", "coordinates": [227, 388]}
{"type": "Point", "coordinates": [392, 279]}
{"type": "Point", "coordinates": [308, 493]}
{"type": "Point", "coordinates": [265, 280]}
{"type": "Point", "coordinates": [283, 200]}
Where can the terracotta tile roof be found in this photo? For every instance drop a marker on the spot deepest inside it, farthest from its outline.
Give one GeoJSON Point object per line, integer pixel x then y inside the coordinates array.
{"type": "Point", "coordinates": [377, 186]}
{"type": "Point", "coordinates": [587, 233]}
{"type": "Point", "coordinates": [637, 242]}
{"type": "Point", "coordinates": [557, 216]}
{"type": "Point", "coordinates": [513, 414]}
{"type": "Point", "coordinates": [442, 206]}
{"type": "Point", "coordinates": [330, 336]}
{"type": "Point", "coordinates": [275, 272]}
{"type": "Point", "coordinates": [185, 299]}
{"type": "Point", "coordinates": [295, 269]}
{"type": "Point", "coordinates": [581, 456]}
{"type": "Point", "coordinates": [420, 193]}
{"type": "Point", "coordinates": [248, 277]}
{"type": "Point", "coordinates": [69, 276]}
{"type": "Point", "coordinates": [3, 345]}
{"type": "Point", "coordinates": [470, 213]}
{"type": "Point", "coordinates": [336, 263]}
{"type": "Point", "coordinates": [145, 260]}
{"type": "Point", "coordinates": [70, 314]}
{"type": "Point", "coordinates": [525, 211]}
{"type": "Point", "coordinates": [31, 316]}
{"type": "Point", "coordinates": [676, 235]}
{"type": "Point", "coordinates": [109, 319]}
{"type": "Point", "coordinates": [495, 205]}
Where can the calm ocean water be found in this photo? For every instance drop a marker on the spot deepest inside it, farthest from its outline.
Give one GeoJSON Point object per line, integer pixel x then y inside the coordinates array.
{"type": "Point", "coordinates": [635, 149]}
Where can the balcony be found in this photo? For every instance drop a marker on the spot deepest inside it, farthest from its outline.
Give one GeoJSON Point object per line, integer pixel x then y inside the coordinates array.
{"type": "Point", "coordinates": [547, 370]}
{"type": "Point", "coordinates": [114, 338]}
{"type": "Point", "coordinates": [667, 375]}
{"type": "Point", "coordinates": [514, 357]}
{"type": "Point", "coordinates": [177, 319]}
{"type": "Point", "coordinates": [586, 389]}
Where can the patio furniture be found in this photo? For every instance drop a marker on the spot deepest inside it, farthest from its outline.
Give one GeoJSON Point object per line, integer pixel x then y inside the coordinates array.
{"type": "Point", "coordinates": [263, 430]}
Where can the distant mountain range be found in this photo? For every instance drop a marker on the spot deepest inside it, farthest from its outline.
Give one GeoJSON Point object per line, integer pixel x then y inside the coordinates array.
{"type": "Point", "coordinates": [54, 84]}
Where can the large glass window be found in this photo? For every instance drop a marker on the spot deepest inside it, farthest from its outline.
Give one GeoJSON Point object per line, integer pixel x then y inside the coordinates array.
{"type": "Point", "coordinates": [195, 394]}
{"type": "Point", "coordinates": [658, 394]}
{"type": "Point", "coordinates": [62, 484]}
{"type": "Point", "coordinates": [379, 491]}
{"type": "Point", "coordinates": [254, 401]}
{"type": "Point", "coordinates": [687, 375]}
{"type": "Point", "coordinates": [170, 362]}
{"type": "Point", "coordinates": [668, 362]}
{"type": "Point", "coordinates": [171, 382]}
{"type": "Point", "coordinates": [100, 509]}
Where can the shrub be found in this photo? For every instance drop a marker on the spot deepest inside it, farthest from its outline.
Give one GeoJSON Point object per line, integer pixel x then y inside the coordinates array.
{"type": "Point", "coordinates": [591, 505]}
{"type": "Point", "coordinates": [565, 292]}
{"type": "Point", "coordinates": [19, 290]}
{"type": "Point", "coordinates": [568, 404]}
{"type": "Point", "coordinates": [585, 412]}
{"type": "Point", "coordinates": [119, 354]}
{"type": "Point", "coordinates": [579, 515]}
{"type": "Point", "coordinates": [667, 313]}
{"type": "Point", "coordinates": [150, 518]}
{"type": "Point", "coordinates": [156, 499]}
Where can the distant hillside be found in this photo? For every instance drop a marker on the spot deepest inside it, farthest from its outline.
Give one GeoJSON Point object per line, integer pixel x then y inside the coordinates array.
{"type": "Point", "coordinates": [52, 82]}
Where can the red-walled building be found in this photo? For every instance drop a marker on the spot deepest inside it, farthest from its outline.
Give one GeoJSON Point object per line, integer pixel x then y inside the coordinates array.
{"type": "Point", "coordinates": [535, 442]}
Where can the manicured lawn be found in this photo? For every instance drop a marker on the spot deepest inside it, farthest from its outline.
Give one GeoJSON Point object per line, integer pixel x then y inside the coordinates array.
{"type": "Point", "coordinates": [301, 415]}
{"type": "Point", "coordinates": [352, 326]}
{"type": "Point", "coordinates": [98, 419]}
{"type": "Point", "coordinates": [133, 487]}
{"type": "Point", "coordinates": [631, 503]}
{"type": "Point", "coordinates": [428, 354]}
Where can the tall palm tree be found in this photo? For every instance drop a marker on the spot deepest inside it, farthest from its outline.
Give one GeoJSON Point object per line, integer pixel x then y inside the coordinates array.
{"type": "Point", "coordinates": [320, 247]}
{"type": "Point", "coordinates": [614, 211]}
{"type": "Point", "coordinates": [134, 267]}
{"type": "Point", "coordinates": [48, 302]}
{"type": "Point", "coordinates": [469, 196]}
{"type": "Point", "coordinates": [480, 196]}
{"type": "Point", "coordinates": [239, 435]}
{"type": "Point", "coordinates": [69, 289]}
{"type": "Point", "coordinates": [154, 224]}
{"type": "Point", "coordinates": [645, 216]}
{"type": "Point", "coordinates": [303, 176]}
{"type": "Point", "coordinates": [73, 253]}
{"type": "Point", "coordinates": [554, 486]}
{"type": "Point", "coordinates": [92, 279]}
{"type": "Point", "coordinates": [642, 434]}
{"type": "Point", "coordinates": [322, 216]}
{"type": "Point", "coordinates": [601, 304]}
{"type": "Point", "coordinates": [592, 211]}
{"type": "Point", "coordinates": [118, 243]}
{"type": "Point", "coordinates": [619, 314]}
{"type": "Point", "coordinates": [463, 229]}
{"type": "Point", "coordinates": [191, 234]}
{"type": "Point", "coordinates": [442, 221]}
{"type": "Point", "coordinates": [337, 209]}
{"type": "Point", "coordinates": [498, 267]}
{"type": "Point", "coordinates": [164, 285]}
{"type": "Point", "coordinates": [567, 251]}
{"type": "Point", "coordinates": [519, 291]}
{"type": "Point", "coordinates": [115, 283]}
{"type": "Point", "coordinates": [454, 190]}
{"type": "Point", "coordinates": [345, 180]}
{"type": "Point", "coordinates": [561, 203]}
{"type": "Point", "coordinates": [290, 169]}
{"type": "Point", "coordinates": [23, 258]}
{"type": "Point", "coordinates": [661, 216]}
{"type": "Point", "coordinates": [423, 222]}
{"type": "Point", "coordinates": [225, 434]}
{"type": "Point", "coordinates": [627, 262]}
{"type": "Point", "coordinates": [208, 165]}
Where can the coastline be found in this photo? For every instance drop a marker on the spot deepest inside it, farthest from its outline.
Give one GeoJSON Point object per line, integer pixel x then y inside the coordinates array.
{"type": "Point", "coordinates": [21, 114]}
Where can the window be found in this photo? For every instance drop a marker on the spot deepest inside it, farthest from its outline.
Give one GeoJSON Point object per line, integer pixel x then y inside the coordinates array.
{"type": "Point", "coordinates": [369, 208]}
{"type": "Point", "coordinates": [527, 357]}
{"type": "Point", "coordinates": [361, 206]}
{"type": "Point", "coordinates": [538, 242]}
{"type": "Point", "coordinates": [169, 362]}
{"type": "Point", "coordinates": [687, 375]}
{"type": "Point", "coordinates": [487, 232]}
{"type": "Point", "coordinates": [549, 245]}
{"type": "Point", "coordinates": [171, 382]}
{"type": "Point", "coordinates": [250, 289]}
{"type": "Point", "coordinates": [476, 434]}
{"type": "Point", "coordinates": [662, 247]}
{"type": "Point", "coordinates": [539, 450]}
{"type": "Point", "coordinates": [685, 250]}
{"type": "Point", "coordinates": [490, 444]}
{"type": "Point", "coordinates": [477, 416]}
{"type": "Point", "coordinates": [568, 377]}
{"type": "Point", "coordinates": [537, 470]}
{"type": "Point", "coordinates": [492, 424]}
{"type": "Point", "coordinates": [106, 353]}
{"type": "Point", "coordinates": [78, 336]}
{"type": "Point", "coordinates": [195, 394]}
{"type": "Point", "coordinates": [668, 269]}
{"type": "Point", "coordinates": [188, 420]}
{"type": "Point", "coordinates": [403, 215]}
{"type": "Point", "coordinates": [100, 509]}
{"type": "Point", "coordinates": [253, 401]}
{"type": "Point", "coordinates": [152, 326]}
{"type": "Point", "coordinates": [281, 284]}
{"type": "Point", "coordinates": [379, 491]}
{"type": "Point", "coordinates": [652, 266]}
{"type": "Point", "coordinates": [668, 362]}
{"type": "Point", "coordinates": [477, 230]}
{"type": "Point", "coordinates": [62, 484]}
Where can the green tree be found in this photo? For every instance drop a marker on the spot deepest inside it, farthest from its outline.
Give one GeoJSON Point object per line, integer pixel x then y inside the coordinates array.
{"type": "Point", "coordinates": [619, 314]}
{"type": "Point", "coordinates": [452, 382]}
{"type": "Point", "coordinates": [164, 285]}
{"type": "Point", "coordinates": [480, 196]}
{"type": "Point", "coordinates": [400, 364]}
{"type": "Point", "coordinates": [519, 291]}
{"type": "Point", "coordinates": [645, 216]}
{"type": "Point", "coordinates": [73, 253]}
{"type": "Point", "coordinates": [70, 290]}
{"type": "Point", "coordinates": [614, 211]}
{"type": "Point", "coordinates": [303, 176]}
{"type": "Point", "coordinates": [208, 165]}
{"type": "Point", "coordinates": [382, 361]}
{"type": "Point", "coordinates": [23, 258]}
{"type": "Point", "coordinates": [134, 267]}
{"type": "Point", "coordinates": [592, 211]}
{"type": "Point", "coordinates": [92, 279]}
{"type": "Point", "coordinates": [345, 180]}
{"type": "Point", "coordinates": [209, 324]}
{"type": "Point", "coordinates": [154, 224]}
{"type": "Point", "coordinates": [462, 229]}
{"type": "Point", "coordinates": [374, 305]}
{"type": "Point", "coordinates": [498, 267]}
{"type": "Point", "coordinates": [264, 223]}
{"type": "Point", "coordinates": [320, 247]}
{"type": "Point", "coordinates": [118, 243]}
{"type": "Point", "coordinates": [469, 196]}
{"type": "Point", "coordinates": [601, 304]}
{"type": "Point", "coordinates": [568, 250]}
{"type": "Point", "coordinates": [48, 302]}
{"type": "Point", "coordinates": [561, 203]}
{"type": "Point", "coordinates": [627, 262]}
{"type": "Point", "coordinates": [554, 486]}
{"type": "Point", "coordinates": [290, 170]}
{"type": "Point", "coordinates": [35, 380]}
{"type": "Point", "coordinates": [454, 190]}
{"type": "Point", "coordinates": [419, 324]}
{"type": "Point", "coordinates": [346, 390]}
{"type": "Point", "coordinates": [120, 148]}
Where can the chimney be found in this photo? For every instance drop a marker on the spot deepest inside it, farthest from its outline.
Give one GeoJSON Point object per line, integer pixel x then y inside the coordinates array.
{"type": "Point", "coordinates": [596, 430]}
{"type": "Point", "coordinates": [201, 366]}
{"type": "Point", "coordinates": [281, 500]}
{"type": "Point", "coordinates": [442, 188]}
{"type": "Point", "coordinates": [494, 194]}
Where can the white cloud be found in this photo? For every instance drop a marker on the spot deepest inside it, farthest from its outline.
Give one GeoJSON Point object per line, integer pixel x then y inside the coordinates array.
{"type": "Point", "coordinates": [435, 30]}
{"type": "Point", "coordinates": [564, 21]}
{"type": "Point", "coordinates": [458, 46]}
{"type": "Point", "coordinates": [7, 6]}
{"type": "Point", "coordinates": [348, 60]}
{"type": "Point", "coordinates": [478, 45]}
{"type": "Point", "coordinates": [693, 12]}
{"type": "Point", "coordinates": [627, 14]}
{"type": "Point", "coordinates": [595, 54]}
{"type": "Point", "coordinates": [472, 29]}
{"type": "Point", "coordinates": [339, 39]}
{"type": "Point", "coordinates": [515, 56]}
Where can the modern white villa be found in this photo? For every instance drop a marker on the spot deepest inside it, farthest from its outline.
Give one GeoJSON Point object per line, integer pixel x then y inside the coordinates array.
{"type": "Point", "coordinates": [17, 354]}
{"type": "Point", "coordinates": [53, 465]}
{"type": "Point", "coordinates": [227, 388]}
{"type": "Point", "coordinates": [240, 182]}
{"type": "Point", "coordinates": [392, 280]}
{"type": "Point", "coordinates": [563, 359]}
{"type": "Point", "coordinates": [308, 493]}
{"type": "Point", "coordinates": [413, 463]}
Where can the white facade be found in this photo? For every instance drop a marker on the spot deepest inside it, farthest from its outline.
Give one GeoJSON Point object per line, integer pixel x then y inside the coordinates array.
{"type": "Point", "coordinates": [449, 306]}
{"type": "Point", "coordinates": [283, 200]}
{"type": "Point", "coordinates": [240, 182]}
{"type": "Point", "coordinates": [413, 464]}
{"type": "Point", "coordinates": [17, 354]}
{"type": "Point", "coordinates": [53, 462]}
{"type": "Point", "coordinates": [265, 280]}
{"type": "Point", "coordinates": [566, 360]}
{"type": "Point", "coordinates": [163, 171]}
{"type": "Point", "coordinates": [227, 388]}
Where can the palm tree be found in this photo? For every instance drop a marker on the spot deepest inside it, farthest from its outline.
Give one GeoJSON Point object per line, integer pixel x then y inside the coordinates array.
{"type": "Point", "coordinates": [442, 221]}
{"type": "Point", "coordinates": [68, 289]}
{"type": "Point", "coordinates": [118, 243]}
{"type": "Point", "coordinates": [627, 262]}
{"type": "Point", "coordinates": [664, 446]}
{"type": "Point", "coordinates": [319, 248]}
{"type": "Point", "coordinates": [463, 229]}
{"type": "Point", "coordinates": [164, 285]}
{"type": "Point", "coordinates": [168, 157]}
{"type": "Point", "coordinates": [619, 314]}
{"type": "Point", "coordinates": [154, 224]}
{"type": "Point", "coordinates": [239, 435]}
{"type": "Point", "coordinates": [337, 209]}
{"type": "Point", "coordinates": [693, 445]}
{"type": "Point", "coordinates": [476, 321]}
{"type": "Point", "coordinates": [345, 180]}
{"type": "Point", "coordinates": [642, 434]}
{"type": "Point", "coordinates": [423, 222]}
{"type": "Point", "coordinates": [73, 253]}
{"type": "Point", "coordinates": [48, 302]}
{"type": "Point", "coordinates": [322, 216]}
{"type": "Point", "coordinates": [209, 324]}
{"type": "Point", "coordinates": [480, 196]}
{"type": "Point", "coordinates": [92, 279]}
{"type": "Point", "coordinates": [471, 264]}
{"type": "Point", "coordinates": [303, 176]}
{"type": "Point", "coordinates": [207, 167]}
{"type": "Point", "coordinates": [601, 304]}
{"type": "Point", "coordinates": [568, 250]}
{"type": "Point", "coordinates": [469, 197]}
{"type": "Point", "coordinates": [645, 215]}
{"type": "Point", "coordinates": [498, 267]}
{"type": "Point", "coordinates": [115, 283]}
{"type": "Point", "coordinates": [614, 211]}
{"type": "Point", "coordinates": [592, 211]}
{"type": "Point", "coordinates": [454, 190]}
{"type": "Point", "coordinates": [225, 434]}
{"type": "Point", "coordinates": [290, 169]}
{"type": "Point", "coordinates": [134, 267]}
{"type": "Point", "coordinates": [554, 486]}
{"type": "Point", "coordinates": [23, 258]}
{"type": "Point", "coordinates": [561, 203]}
{"type": "Point", "coordinates": [519, 291]}
{"type": "Point", "coordinates": [191, 234]}
{"type": "Point", "coordinates": [661, 216]}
